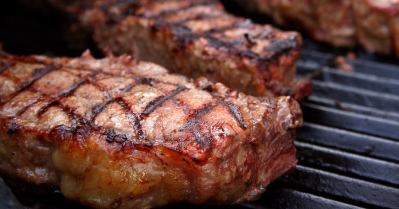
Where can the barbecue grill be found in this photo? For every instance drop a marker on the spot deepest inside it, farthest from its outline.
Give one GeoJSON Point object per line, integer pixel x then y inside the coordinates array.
{"type": "Point", "coordinates": [347, 149]}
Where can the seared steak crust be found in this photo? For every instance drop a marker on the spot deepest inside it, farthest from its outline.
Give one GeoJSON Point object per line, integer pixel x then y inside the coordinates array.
{"type": "Point", "coordinates": [371, 23]}
{"type": "Point", "coordinates": [112, 133]}
{"type": "Point", "coordinates": [198, 38]}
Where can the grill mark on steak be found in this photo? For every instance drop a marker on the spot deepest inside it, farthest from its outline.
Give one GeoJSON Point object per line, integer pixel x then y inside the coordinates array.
{"type": "Point", "coordinates": [186, 35]}
{"type": "Point", "coordinates": [100, 107]}
{"type": "Point", "coordinates": [130, 86]}
{"type": "Point", "coordinates": [283, 45]}
{"type": "Point", "coordinates": [107, 5]}
{"type": "Point", "coordinates": [189, 37]}
{"type": "Point", "coordinates": [234, 110]}
{"type": "Point", "coordinates": [111, 136]}
{"type": "Point", "coordinates": [20, 112]}
{"type": "Point", "coordinates": [12, 128]}
{"type": "Point", "coordinates": [54, 103]}
{"type": "Point", "coordinates": [158, 101]}
{"type": "Point", "coordinates": [202, 139]}
{"type": "Point", "coordinates": [249, 39]}
{"type": "Point", "coordinates": [197, 116]}
{"type": "Point", "coordinates": [5, 66]}
{"type": "Point", "coordinates": [73, 117]}
{"type": "Point", "coordinates": [134, 118]}
{"type": "Point", "coordinates": [201, 16]}
{"type": "Point", "coordinates": [37, 74]}
{"type": "Point", "coordinates": [73, 88]}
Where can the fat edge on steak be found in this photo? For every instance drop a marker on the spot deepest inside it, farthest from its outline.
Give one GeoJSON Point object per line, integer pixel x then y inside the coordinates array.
{"type": "Point", "coordinates": [113, 133]}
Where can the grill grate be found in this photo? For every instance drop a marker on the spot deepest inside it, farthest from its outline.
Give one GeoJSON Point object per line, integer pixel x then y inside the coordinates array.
{"type": "Point", "coordinates": [347, 149]}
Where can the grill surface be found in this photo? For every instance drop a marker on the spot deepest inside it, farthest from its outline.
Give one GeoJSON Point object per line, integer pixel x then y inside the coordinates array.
{"type": "Point", "coordinates": [347, 149]}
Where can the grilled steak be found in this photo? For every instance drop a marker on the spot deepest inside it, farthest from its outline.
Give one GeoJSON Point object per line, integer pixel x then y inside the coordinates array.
{"type": "Point", "coordinates": [111, 133]}
{"type": "Point", "coordinates": [371, 23]}
{"type": "Point", "coordinates": [198, 38]}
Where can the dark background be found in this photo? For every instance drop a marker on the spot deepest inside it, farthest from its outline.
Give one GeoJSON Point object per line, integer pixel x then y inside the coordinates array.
{"type": "Point", "coordinates": [26, 31]}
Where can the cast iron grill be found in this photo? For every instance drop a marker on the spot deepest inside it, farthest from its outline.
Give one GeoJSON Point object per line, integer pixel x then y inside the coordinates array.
{"type": "Point", "coordinates": [347, 149]}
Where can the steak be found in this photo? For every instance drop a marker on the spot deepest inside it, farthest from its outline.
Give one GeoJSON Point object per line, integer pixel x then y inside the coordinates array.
{"type": "Point", "coordinates": [114, 133]}
{"type": "Point", "coordinates": [198, 38]}
{"type": "Point", "coordinates": [344, 23]}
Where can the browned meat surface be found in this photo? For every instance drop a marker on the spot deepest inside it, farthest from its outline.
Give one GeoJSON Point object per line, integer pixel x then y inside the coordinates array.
{"type": "Point", "coordinates": [199, 38]}
{"type": "Point", "coordinates": [374, 24]}
{"type": "Point", "coordinates": [111, 133]}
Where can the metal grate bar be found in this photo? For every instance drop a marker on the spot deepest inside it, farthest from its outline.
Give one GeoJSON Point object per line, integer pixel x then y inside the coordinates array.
{"type": "Point", "coordinates": [356, 80]}
{"type": "Point", "coordinates": [354, 108]}
{"type": "Point", "coordinates": [348, 164]}
{"type": "Point", "coordinates": [279, 195]}
{"type": "Point", "coordinates": [349, 141]}
{"type": "Point", "coordinates": [317, 57]}
{"type": "Point", "coordinates": [342, 188]}
{"type": "Point", "coordinates": [376, 68]}
{"type": "Point", "coordinates": [357, 96]}
{"type": "Point", "coordinates": [351, 121]}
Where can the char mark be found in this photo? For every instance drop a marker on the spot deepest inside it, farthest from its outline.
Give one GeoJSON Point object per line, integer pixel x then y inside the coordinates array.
{"type": "Point", "coordinates": [73, 88]}
{"type": "Point", "coordinates": [249, 39]}
{"type": "Point", "coordinates": [202, 139]}
{"type": "Point", "coordinates": [130, 86]}
{"type": "Point", "coordinates": [4, 66]}
{"type": "Point", "coordinates": [72, 117]}
{"type": "Point", "coordinates": [119, 3]}
{"type": "Point", "coordinates": [134, 119]}
{"type": "Point", "coordinates": [111, 136]}
{"type": "Point", "coordinates": [157, 102]}
{"type": "Point", "coordinates": [37, 74]}
{"type": "Point", "coordinates": [12, 128]}
{"type": "Point", "coordinates": [282, 46]}
{"type": "Point", "coordinates": [64, 132]}
{"type": "Point", "coordinates": [197, 116]}
{"type": "Point", "coordinates": [216, 43]}
{"type": "Point", "coordinates": [100, 107]}
{"type": "Point", "coordinates": [233, 109]}
{"type": "Point", "coordinates": [277, 47]}
{"type": "Point", "coordinates": [249, 54]}
{"type": "Point", "coordinates": [45, 108]}
{"type": "Point", "coordinates": [185, 36]}
{"type": "Point", "coordinates": [147, 81]}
